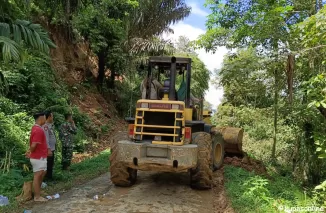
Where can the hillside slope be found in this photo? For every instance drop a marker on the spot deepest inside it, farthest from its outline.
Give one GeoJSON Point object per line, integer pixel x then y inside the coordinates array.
{"type": "Point", "coordinates": [75, 65]}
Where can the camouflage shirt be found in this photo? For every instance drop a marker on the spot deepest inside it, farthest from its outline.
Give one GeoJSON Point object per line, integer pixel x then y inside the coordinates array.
{"type": "Point", "coordinates": [66, 132]}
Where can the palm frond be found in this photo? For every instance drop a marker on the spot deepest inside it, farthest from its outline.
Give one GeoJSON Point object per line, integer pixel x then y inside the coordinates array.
{"type": "Point", "coordinates": [4, 29]}
{"type": "Point", "coordinates": [10, 49]}
{"type": "Point", "coordinates": [32, 34]}
{"type": "Point", "coordinates": [3, 84]}
{"type": "Point", "coordinates": [152, 45]}
{"type": "Point", "coordinates": [154, 17]}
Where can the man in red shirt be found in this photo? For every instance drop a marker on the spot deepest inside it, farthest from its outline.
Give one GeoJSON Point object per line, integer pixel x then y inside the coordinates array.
{"type": "Point", "coordinates": [38, 153]}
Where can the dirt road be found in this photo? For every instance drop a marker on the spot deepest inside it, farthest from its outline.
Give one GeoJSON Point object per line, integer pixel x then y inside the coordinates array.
{"type": "Point", "coordinates": [154, 192]}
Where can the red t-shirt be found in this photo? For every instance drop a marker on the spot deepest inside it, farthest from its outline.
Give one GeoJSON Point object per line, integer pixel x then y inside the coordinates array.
{"type": "Point", "coordinates": [38, 136]}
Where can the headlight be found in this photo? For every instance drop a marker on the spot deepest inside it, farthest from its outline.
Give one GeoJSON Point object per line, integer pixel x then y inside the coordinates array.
{"type": "Point", "coordinates": [175, 106]}
{"type": "Point", "coordinates": [144, 105]}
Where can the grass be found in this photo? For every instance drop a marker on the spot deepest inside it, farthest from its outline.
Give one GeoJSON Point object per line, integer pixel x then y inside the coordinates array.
{"type": "Point", "coordinates": [252, 193]}
{"type": "Point", "coordinates": [64, 180]}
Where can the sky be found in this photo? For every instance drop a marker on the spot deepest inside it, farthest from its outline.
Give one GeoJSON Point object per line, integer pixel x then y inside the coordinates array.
{"type": "Point", "coordinates": [192, 27]}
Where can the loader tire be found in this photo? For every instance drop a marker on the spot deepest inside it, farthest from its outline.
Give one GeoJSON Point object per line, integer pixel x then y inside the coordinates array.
{"type": "Point", "coordinates": [201, 176]}
{"type": "Point", "coordinates": [218, 150]}
{"type": "Point", "coordinates": [121, 175]}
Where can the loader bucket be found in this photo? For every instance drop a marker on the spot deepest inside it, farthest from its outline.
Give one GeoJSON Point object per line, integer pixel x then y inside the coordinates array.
{"type": "Point", "coordinates": [232, 139]}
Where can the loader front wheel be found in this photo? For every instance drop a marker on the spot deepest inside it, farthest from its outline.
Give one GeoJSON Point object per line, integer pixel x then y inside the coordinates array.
{"type": "Point", "coordinates": [201, 176]}
{"type": "Point", "coordinates": [120, 174]}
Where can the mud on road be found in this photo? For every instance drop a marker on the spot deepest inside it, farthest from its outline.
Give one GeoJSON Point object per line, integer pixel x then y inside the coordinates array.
{"type": "Point", "coordinates": [153, 192]}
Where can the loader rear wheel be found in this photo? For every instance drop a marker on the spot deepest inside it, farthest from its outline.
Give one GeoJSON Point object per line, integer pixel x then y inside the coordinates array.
{"type": "Point", "coordinates": [120, 174]}
{"type": "Point", "coordinates": [201, 176]}
{"type": "Point", "coordinates": [217, 150]}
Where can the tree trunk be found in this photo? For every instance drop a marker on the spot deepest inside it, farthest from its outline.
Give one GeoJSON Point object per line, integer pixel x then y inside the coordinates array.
{"type": "Point", "coordinates": [314, 163]}
{"type": "Point", "coordinates": [320, 4]}
{"type": "Point", "coordinates": [275, 116]}
{"type": "Point", "coordinates": [289, 74]}
{"type": "Point", "coordinates": [101, 69]}
{"type": "Point", "coordinates": [112, 79]}
{"type": "Point", "coordinates": [322, 110]}
{"type": "Point", "coordinates": [67, 9]}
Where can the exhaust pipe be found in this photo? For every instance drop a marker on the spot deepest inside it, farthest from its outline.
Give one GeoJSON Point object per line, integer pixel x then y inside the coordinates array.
{"type": "Point", "coordinates": [172, 78]}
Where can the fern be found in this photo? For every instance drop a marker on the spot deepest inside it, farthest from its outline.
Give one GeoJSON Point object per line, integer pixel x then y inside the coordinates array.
{"type": "Point", "coordinates": [10, 49]}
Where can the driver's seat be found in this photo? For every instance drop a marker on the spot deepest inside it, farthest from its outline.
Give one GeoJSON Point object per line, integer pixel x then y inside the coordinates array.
{"type": "Point", "coordinates": [165, 89]}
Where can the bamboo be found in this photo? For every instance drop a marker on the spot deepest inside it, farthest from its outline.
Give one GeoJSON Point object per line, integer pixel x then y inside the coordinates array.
{"type": "Point", "coordinates": [5, 162]}
{"type": "Point", "coordinates": [8, 164]}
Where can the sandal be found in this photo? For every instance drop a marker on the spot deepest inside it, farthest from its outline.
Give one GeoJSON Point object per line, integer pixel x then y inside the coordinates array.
{"type": "Point", "coordinates": [40, 199]}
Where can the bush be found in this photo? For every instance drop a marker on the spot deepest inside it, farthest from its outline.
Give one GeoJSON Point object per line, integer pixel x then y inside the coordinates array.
{"type": "Point", "coordinates": [258, 128]}
{"type": "Point", "coordinates": [14, 133]}
{"type": "Point", "coordinates": [252, 193]}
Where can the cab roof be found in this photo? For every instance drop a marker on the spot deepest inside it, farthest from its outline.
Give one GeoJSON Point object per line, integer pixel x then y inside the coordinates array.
{"type": "Point", "coordinates": [165, 61]}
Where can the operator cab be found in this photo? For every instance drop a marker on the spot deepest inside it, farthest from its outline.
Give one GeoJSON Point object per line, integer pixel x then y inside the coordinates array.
{"type": "Point", "coordinates": [164, 68]}
{"type": "Point", "coordinates": [165, 115]}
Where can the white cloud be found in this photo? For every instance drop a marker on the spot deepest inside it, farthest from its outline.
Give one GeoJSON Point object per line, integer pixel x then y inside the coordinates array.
{"type": "Point", "coordinates": [195, 9]}
{"type": "Point", "coordinates": [212, 61]}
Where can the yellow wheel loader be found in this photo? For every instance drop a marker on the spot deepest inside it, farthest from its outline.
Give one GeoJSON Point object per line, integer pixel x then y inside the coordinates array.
{"type": "Point", "coordinates": [169, 132]}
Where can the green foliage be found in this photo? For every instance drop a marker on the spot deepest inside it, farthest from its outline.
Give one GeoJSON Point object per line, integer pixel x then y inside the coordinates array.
{"type": "Point", "coordinates": [14, 35]}
{"type": "Point", "coordinates": [320, 194]}
{"type": "Point", "coordinates": [129, 93]}
{"type": "Point", "coordinates": [8, 107]}
{"type": "Point", "coordinates": [316, 91]}
{"type": "Point", "coordinates": [257, 188]}
{"type": "Point", "coordinates": [14, 131]}
{"type": "Point", "coordinates": [258, 127]}
{"type": "Point", "coordinates": [34, 86]}
{"type": "Point", "coordinates": [65, 180]}
{"type": "Point", "coordinates": [261, 74]}
{"type": "Point", "coordinates": [199, 77]}
{"type": "Point", "coordinates": [154, 17]}
{"type": "Point", "coordinates": [150, 19]}
{"type": "Point", "coordinates": [199, 73]}
{"type": "Point", "coordinates": [10, 49]}
{"type": "Point", "coordinates": [239, 23]}
{"type": "Point", "coordinates": [81, 141]}
{"type": "Point", "coordinates": [245, 79]}
{"type": "Point", "coordinates": [253, 193]}
{"type": "Point", "coordinates": [102, 23]}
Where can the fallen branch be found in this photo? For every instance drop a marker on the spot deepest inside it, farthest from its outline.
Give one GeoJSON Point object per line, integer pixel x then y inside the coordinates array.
{"type": "Point", "coordinates": [312, 48]}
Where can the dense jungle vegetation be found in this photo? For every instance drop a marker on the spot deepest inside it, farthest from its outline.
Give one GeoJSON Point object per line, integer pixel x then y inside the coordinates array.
{"type": "Point", "coordinates": [274, 82]}
{"type": "Point", "coordinates": [273, 78]}
{"type": "Point", "coordinates": [43, 48]}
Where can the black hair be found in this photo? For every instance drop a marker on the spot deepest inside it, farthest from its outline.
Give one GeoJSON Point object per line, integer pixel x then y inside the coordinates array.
{"type": "Point", "coordinates": [67, 115]}
{"type": "Point", "coordinates": [38, 114]}
{"type": "Point", "coordinates": [48, 114]}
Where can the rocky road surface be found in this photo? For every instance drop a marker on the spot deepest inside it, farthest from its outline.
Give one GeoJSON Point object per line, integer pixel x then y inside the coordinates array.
{"type": "Point", "coordinates": [153, 192]}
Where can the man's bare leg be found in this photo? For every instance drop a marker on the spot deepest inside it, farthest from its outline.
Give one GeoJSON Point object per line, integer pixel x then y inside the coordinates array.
{"type": "Point", "coordinates": [37, 182]}
{"type": "Point", "coordinates": [43, 175]}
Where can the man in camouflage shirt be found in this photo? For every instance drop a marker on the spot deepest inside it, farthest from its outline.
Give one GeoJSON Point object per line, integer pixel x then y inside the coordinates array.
{"type": "Point", "coordinates": [67, 130]}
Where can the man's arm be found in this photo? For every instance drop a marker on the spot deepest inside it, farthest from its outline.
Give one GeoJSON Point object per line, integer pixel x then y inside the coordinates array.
{"type": "Point", "coordinates": [33, 146]}
{"type": "Point", "coordinates": [72, 128]}
{"type": "Point", "coordinates": [31, 149]}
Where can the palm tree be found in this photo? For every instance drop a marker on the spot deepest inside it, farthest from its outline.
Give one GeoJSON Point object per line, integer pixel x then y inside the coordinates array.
{"type": "Point", "coordinates": [150, 19]}
{"type": "Point", "coordinates": [15, 35]}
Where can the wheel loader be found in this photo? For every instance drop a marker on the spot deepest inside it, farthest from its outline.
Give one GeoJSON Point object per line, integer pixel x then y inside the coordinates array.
{"type": "Point", "coordinates": [171, 133]}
